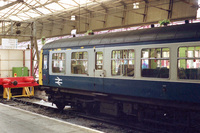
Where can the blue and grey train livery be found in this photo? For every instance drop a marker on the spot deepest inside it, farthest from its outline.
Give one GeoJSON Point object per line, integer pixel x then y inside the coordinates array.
{"type": "Point", "coordinates": [126, 71]}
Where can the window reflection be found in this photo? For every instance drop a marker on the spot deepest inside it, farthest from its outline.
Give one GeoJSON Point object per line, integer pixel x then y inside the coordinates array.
{"type": "Point", "coordinates": [79, 63]}
{"type": "Point", "coordinates": [99, 61]}
{"type": "Point", "coordinates": [122, 62]}
{"type": "Point", "coordinates": [155, 62]}
{"type": "Point", "coordinates": [189, 62]}
{"type": "Point", "coordinates": [58, 62]}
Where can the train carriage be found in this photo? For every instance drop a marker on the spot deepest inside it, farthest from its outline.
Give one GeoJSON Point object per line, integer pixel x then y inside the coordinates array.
{"type": "Point", "coordinates": [126, 72]}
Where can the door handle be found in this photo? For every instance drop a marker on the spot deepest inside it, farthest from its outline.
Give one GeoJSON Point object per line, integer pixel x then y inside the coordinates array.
{"type": "Point", "coordinates": [104, 73]}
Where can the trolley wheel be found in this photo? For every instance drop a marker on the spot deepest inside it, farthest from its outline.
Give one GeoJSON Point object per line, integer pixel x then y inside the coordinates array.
{"type": "Point", "coordinates": [60, 105]}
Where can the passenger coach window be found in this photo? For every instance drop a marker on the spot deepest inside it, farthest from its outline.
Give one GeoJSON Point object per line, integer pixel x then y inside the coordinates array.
{"type": "Point", "coordinates": [58, 62]}
{"type": "Point", "coordinates": [45, 62]}
{"type": "Point", "coordinates": [122, 62]}
{"type": "Point", "coordinates": [155, 62]}
{"type": "Point", "coordinates": [99, 61]}
{"type": "Point", "coordinates": [189, 62]}
{"type": "Point", "coordinates": [79, 63]}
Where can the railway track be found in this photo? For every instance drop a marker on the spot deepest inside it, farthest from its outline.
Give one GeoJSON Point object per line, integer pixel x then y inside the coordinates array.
{"type": "Point", "coordinates": [99, 122]}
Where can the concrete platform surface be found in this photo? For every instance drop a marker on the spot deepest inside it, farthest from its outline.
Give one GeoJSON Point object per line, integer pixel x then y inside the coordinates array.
{"type": "Point", "coordinates": [14, 120]}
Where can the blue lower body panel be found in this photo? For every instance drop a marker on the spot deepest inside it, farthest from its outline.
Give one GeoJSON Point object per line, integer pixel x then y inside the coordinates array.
{"type": "Point", "coordinates": [184, 92]}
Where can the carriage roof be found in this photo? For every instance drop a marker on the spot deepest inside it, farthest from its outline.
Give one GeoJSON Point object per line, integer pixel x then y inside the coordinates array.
{"type": "Point", "coordinates": [170, 33]}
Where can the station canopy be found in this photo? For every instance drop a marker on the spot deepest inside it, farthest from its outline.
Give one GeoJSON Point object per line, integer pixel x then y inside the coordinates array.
{"type": "Point", "coordinates": [55, 18]}
{"type": "Point", "coordinates": [20, 10]}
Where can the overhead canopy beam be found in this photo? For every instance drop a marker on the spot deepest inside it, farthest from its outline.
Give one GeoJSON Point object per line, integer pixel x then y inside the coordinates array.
{"type": "Point", "coordinates": [170, 9]}
{"type": "Point", "coordinates": [10, 4]}
{"type": "Point", "coordinates": [33, 8]}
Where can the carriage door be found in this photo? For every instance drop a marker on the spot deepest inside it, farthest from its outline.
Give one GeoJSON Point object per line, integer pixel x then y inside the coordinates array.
{"type": "Point", "coordinates": [99, 72]}
{"type": "Point", "coordinates": [45, 70]}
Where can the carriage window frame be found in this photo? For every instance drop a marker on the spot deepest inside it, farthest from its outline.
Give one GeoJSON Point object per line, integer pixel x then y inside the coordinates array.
{"type": "Point", "coordinates": [79, 69]}
{"type": "Point", "coordinates": [60, 62]}
{"type": "Point", "coordinates": [45, 61]}
{"type": "Point", "coordinates": [188, 63]}
{"type": "Point", "coordinates": [158, 57]}
{"type": "Point", "coordinates": [121, 57]}
{"type": "Point", "coordinates": [99, 60]}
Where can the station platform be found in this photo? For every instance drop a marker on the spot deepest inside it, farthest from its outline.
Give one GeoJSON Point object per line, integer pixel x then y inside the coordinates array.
{"type": "Point", "coordinates": [14, 120]}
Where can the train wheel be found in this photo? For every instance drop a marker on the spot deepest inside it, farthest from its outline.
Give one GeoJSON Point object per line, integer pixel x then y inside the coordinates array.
{"type": "Point", "coordinates": [60, 105]}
